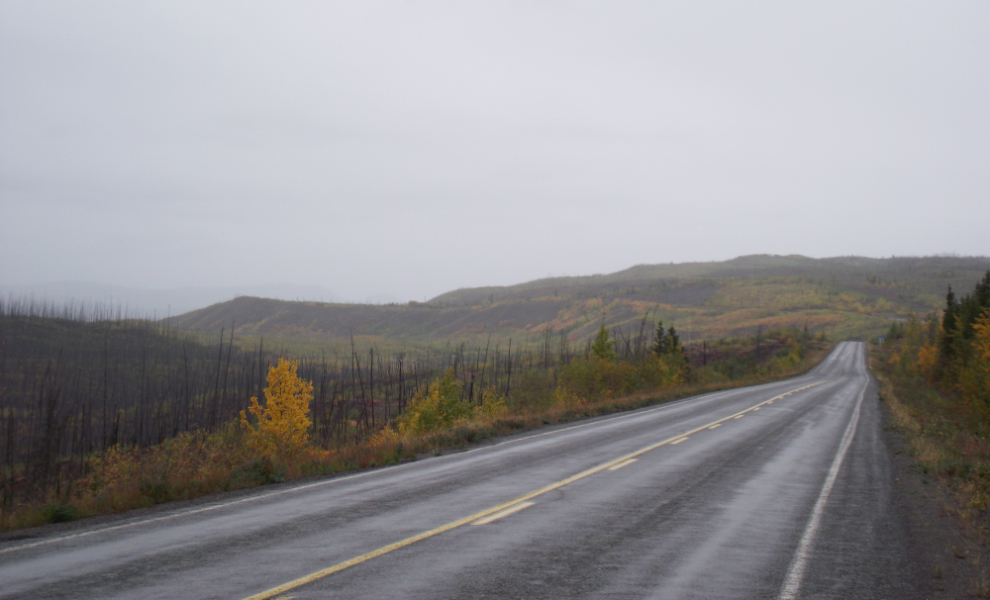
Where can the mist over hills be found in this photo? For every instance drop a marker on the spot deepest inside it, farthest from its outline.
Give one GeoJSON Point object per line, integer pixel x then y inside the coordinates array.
{"type": "Point", "coordinates": [151, 303]}
{"type": "Point", "coordinates": [846, 296]}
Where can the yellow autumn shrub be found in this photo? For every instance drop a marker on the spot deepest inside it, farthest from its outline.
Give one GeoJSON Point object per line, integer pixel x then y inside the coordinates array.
{"type": "Point", "coordinates": [492, 405]}
{"type": "Point", "coordinates": [928, 361]}
{"type": "Point", "coordinates": [974, 376]}
{"type": "Point", "coordinates": [282, 424]}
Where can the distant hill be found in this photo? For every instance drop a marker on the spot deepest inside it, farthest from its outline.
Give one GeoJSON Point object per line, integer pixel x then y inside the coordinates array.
{"type": "Point", "coordinates": [148, 303]}
{"type": "Point", "coordinates": [846, 296]}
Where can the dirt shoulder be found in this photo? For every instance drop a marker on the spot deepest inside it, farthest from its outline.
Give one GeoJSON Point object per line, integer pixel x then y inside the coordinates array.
{"type": "Point", "coordinates": [951, 561]}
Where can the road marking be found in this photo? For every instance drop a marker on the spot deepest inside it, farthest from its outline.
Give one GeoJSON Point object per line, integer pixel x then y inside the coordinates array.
{"type": "Point", "coordinates": [285, 587]}
{"type": "Point", "coordinates": [716, 426]}
{"type": "Point", "coordinates": [740, 416]}
{"type": "Point", "coordinates": [755, 409]}
{"type": "Point", "coordinates": [624, 463]}
{"type": "Point", "coordinates": [664, 406]}
{"type": "Point", "coordinates": [795, 573]}
{"type": "Point", "coordinates": [503, 513]}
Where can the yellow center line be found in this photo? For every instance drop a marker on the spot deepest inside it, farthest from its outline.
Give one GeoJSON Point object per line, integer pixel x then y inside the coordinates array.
{"type": "Point", "coordinates": [503, 513]}
{"type": "Point", "coordinates": [677, 439]}
{"type": "Point", "coordinates": [716, 426]}
{"type": "Point", "coordinates": [739, 417]}
{"type": "Point", "coordinates": [624, 463]}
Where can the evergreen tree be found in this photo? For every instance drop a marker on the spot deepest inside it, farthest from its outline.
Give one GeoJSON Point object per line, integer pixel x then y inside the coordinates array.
{"type": "Point", "coordinates": [660, 343]}
{"type": "Point", "coordinates": [949, 318]}
{"type": "Point", "coordinates": [982, 292]}
{"type": "Point", "coordinates": [673, 342]}
{"type": "Point", "coordinates": [602, 346]}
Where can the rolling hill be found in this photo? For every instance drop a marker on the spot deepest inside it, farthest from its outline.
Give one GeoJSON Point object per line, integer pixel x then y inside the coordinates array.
{"type": "Point", "coordinates": [849, 297]}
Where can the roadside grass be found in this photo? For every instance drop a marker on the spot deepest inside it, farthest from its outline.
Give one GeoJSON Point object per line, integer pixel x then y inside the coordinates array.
{"type": "Point", "coordinates": [941, 437]}
{"type": "Point", "coordinates": [196, 463]}
{"type": "Point", "coordinates": [947, 446]}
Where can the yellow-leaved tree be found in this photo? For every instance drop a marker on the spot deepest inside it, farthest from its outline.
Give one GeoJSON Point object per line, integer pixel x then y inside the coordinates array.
{"type": "Point", "coordinates": [974, 376]}
{"type": "Point", "coordinates": [282, 427]}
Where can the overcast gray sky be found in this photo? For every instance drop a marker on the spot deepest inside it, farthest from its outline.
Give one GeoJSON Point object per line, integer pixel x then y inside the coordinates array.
{"type": "Point", "coordinates": [408, 149]}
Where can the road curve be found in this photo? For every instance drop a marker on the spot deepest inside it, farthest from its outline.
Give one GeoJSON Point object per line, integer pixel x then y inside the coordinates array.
{"type": "Point", "coordinates": [775, 491]}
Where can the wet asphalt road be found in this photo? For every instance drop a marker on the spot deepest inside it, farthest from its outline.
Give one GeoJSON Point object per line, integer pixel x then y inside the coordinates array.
{"type": "Point", "coordinates": [778, 491]}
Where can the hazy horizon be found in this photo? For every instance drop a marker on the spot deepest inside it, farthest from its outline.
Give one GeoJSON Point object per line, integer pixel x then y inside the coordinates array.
{"type": "Point", "coordinates": [161, 302]}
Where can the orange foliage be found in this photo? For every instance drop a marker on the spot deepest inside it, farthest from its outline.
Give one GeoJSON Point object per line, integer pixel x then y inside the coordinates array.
{"type": "Point", "coordinates": [927, 361]}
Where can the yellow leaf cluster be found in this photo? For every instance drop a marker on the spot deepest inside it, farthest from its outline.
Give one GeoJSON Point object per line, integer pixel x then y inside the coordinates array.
{"type": "Point", "coordinates": [282, 427]}
{"type": "Point", "coordinates": [982, 327]}
{"type": "Point", "coordinates": [386, 437]}
{"type": "Point", "coordinates": [974, 376]}
{"type": "Point", "coordinates": [928, 361]}
{"type": "Point", "coordinates": [492, 405]}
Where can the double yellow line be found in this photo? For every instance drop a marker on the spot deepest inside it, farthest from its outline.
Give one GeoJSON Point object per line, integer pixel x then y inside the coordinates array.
{"type": "Point", "coordinates": [505, 506]}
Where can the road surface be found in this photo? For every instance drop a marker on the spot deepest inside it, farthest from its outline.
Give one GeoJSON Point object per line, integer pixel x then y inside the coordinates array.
{"type": "Point", "coordinates": [776, 491]}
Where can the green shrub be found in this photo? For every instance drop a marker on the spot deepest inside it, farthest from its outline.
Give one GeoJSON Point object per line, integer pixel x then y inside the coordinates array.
{"type": "Point", "coordinates": [59, 512]}
{"type": "Point", "coordinates": [158, 490]}
{"type": "Point", "coordinates": [260, 471]}
{"type": "Point", "coordinates": [492, 405]}
{"type": "Point", "coordinates": [439, 407]}
{"type": "Point", "coordinates": [532, 390]}
{"type": "Point", "coordinates": [593, 378]}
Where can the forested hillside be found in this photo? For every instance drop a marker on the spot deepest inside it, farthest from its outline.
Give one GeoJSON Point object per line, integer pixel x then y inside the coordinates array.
{"type": "Point", "coordinates": [849, 297]}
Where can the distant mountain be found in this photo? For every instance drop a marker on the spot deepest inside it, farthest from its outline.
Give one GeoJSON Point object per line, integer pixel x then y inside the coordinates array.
{"type": "Point", "coordinates": [148, 303]}
{"type": "Point", "coordinates": [846, 296]}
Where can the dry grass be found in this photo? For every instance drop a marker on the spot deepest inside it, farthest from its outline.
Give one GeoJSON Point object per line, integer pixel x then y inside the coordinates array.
{"type": "Point", "coordinates": [947, 447]}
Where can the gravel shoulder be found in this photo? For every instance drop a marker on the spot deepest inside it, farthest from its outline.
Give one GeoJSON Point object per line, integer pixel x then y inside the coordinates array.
{"type": "Point", "coordinates": [949, 561]}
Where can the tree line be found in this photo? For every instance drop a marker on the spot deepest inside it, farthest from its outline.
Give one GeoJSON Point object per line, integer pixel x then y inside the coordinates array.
{"type": "Point", "coordinates": [951, 351]}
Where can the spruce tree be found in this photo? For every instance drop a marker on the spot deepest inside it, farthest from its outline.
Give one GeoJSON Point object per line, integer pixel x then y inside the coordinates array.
{"type": "Point", "coordinates": [660, 343]}
{"type": "Point", "coordinates": [946, 347]}
{"type": "Point", "coordinates": [949, 319]}
{"type": "Point", "coordinates": [602, 346]}
{"type": "Point", "coordinates": [982, 292]}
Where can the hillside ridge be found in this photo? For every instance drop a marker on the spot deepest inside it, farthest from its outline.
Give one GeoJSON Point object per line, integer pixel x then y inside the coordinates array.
{"type": "Point", "coordinates": [851, 297]}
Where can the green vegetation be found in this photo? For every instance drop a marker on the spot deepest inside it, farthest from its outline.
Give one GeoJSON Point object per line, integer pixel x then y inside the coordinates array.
{"type": "Point", "coordinates": [100, 414]}
{"type": "Point", "coordinates": [79, 434]}
{"type": "Point", "coordinates": [848, 297]}
{"type": "Point", "coordinates": [935, 376]}
{"type": "Point", "coordinates": [439, 407]}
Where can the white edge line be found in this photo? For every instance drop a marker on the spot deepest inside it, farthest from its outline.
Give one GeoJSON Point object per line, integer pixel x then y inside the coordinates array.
{"type": "Point", "coordinates": [795, 573]}
{"type": "Point", "coordinates": [664, 406]}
